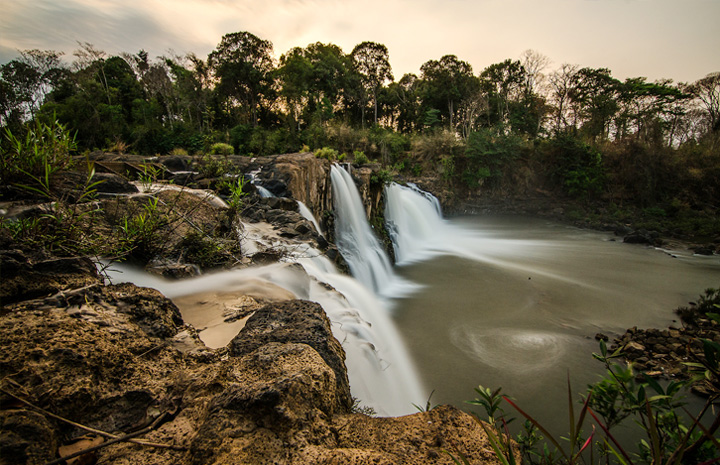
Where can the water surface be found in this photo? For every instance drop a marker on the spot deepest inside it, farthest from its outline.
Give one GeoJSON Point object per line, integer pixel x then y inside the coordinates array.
{"type": "Point", "coordinates": [519, 309]}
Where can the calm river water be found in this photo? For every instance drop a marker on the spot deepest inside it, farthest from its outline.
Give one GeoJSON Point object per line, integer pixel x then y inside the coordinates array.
{"type": "Point", "coordinates": [523, 314]}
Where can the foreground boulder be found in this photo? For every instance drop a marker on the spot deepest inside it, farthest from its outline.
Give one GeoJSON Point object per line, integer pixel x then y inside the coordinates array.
{"type": "Point", "coordinates": [119, 359]}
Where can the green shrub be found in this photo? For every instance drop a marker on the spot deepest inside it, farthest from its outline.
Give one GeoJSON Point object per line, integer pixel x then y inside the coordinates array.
{"type": "Point", "coordinates": [578, 166]}
{"type": "Point", "coordinates": [489, 155]}
{"type": "Point", "coordinates": [221, 148]}
{"type": "Point", "coordinates": [327, 153]}
{"type": "Point", "coordinates": [360, 157]}
{"type": "Point", "coordinates": [179, 152]}
{"type": "Point", "coordinates": [381, 177]}
{"type": "Point", "coordinates": [139, 232]}
{"type": "Point", "coordinates": [211, 167]}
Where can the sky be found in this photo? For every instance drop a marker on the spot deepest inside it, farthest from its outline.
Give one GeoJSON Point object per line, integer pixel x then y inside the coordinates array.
{"type": "Point", "coordinates": [656, 39]}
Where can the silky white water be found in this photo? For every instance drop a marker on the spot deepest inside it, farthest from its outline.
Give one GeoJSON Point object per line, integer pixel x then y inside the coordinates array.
{"type": "Point", "coordinates": [307, 214]}
{"type": "Point", "coordinates": [359, 246]}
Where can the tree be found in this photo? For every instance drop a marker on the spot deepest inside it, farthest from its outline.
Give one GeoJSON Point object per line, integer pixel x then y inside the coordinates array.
{"type": "Point", "coordinates": [645, 108]}
{"type": "Point", "coordinates": [594, 95]}
{"type": "Point", "coordinates": [25, 83]}
{"type": "Point", "coordinates": [707, 92]}
{"type": "Point", "coordinates": [504, 83]}
{"type": "Point", "coordinates": [242, 65]}
{"type": "Point", "coordinates": [561, 83]}
{"type": "Point", "coordinates": [403, 102]}
{"type": "Point", "coordinates": [446, 83]}
{"type": "Point", "coordinates": [371, 61]}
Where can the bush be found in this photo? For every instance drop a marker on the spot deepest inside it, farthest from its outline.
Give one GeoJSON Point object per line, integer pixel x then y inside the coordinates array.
{"type": "Point", "coordinates": [435, 145]}
{"type": "Point", "coordinates": [179, 152]}
{"type": "Point", "coordinates": [360, 157]}
{"type": "Point", "coordinates": [381, 177]}
{"type": "Point", "coordinates": [488, 157]}
{"type": "Point", "coordinates": [327, 153]}
{"type": "Point", "coordinates": [579, 168]}
{"type": "Point", "coordinates": [221, 148]}
{"type": "Point", "coordinates": [211, 167]}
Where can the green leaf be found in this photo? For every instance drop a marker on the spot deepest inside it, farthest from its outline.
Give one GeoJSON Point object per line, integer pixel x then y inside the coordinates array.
{"type": "Point", "coordinates": [654, 384]}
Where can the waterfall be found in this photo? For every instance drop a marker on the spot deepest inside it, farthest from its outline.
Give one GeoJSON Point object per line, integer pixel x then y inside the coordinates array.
{"type": "Point", "coordinates": [381, 372]}
{"type": "Point", "coordinates": [419, 232]}
{"type": "Point", "coordinates": [307, 214]}
{"type": "Point", "coordinates": [357, 243]}
{"type": "Point", "coordinates": [415, 223]}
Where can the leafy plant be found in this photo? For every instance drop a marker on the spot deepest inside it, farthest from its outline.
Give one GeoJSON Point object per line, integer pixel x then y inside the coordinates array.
{"type": "Point", "coordinates": [237, 194]}
{"type": "Point", "coordinates": [139, 232]}
{"type": "Point", "coordinates": [150, 174]}
{"type": "Point", "coordinates": [221, 148]}
{"type": "Point", "coordinates": [179, 152]}
{"type": "Point", "coordinates": [428, 405]}
{"type": "Point", "coordinates": [212, 167]}
{"type": "Point", "coordinates": [360, 157]}
{"type": "Point", "coordinates": [381, 177]}
{"type": "Point", "coordinates": [33, 160]}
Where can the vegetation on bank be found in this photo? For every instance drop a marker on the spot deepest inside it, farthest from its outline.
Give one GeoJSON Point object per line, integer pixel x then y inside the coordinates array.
{"type": "Point", "coordinates": [618, 148]}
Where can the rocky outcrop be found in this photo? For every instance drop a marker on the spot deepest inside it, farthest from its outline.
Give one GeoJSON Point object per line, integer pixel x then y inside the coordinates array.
{"type": "Point", "coordinates": [296, 322]}
{"type": "Point", "coordinates": [120, 359]}
{"type": "Point", "coordinates": [307, 179]}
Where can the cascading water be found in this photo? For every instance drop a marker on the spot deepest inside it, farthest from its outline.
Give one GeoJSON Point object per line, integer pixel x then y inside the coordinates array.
{"type": "Point", "coordinates": [357, 243]}
{"type": "Point", "coordinates": [307, 214]}
{"type": "Point", "coordinates": [263, 192]}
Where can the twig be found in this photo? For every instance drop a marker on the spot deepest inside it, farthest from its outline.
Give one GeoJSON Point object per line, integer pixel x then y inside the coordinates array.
{"type": "Point", "coordinates": [126, 437]}
{"type": "Point", "coordinates": [151, 350]}
{"type": "Point", "coordinates": [87, 428]}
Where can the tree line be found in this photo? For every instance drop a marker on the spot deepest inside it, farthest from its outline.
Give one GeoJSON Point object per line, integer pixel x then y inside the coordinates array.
{"type": "Point", "coordinates": [584, 126]}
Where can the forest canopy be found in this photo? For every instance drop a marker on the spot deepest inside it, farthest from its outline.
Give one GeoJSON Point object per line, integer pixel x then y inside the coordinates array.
{"type": "Point", "coordinates": [583, 131]}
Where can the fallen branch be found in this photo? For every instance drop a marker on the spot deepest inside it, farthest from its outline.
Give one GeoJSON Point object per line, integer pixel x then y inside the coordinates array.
{"type": "Point", "coordinates": [125, 438]}
{"type": "Point", "coordinates": [92, 430]}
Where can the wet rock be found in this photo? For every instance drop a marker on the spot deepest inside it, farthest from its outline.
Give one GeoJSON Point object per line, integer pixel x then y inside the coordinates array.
{"type": "Point", "coordinates": [601, 337]}
{"type": "Point", "coordinates": [282, 203]}
{"type": "Point", "coordinates": [634, 347]}
{"type": "Point", "coordinates": [266, 258]}
{"type": "Point", "coordinates": [177, 162]}
{"type": "Point", "coordinates": [704, 251]}
{"type": "Point", "coordinates": [288, 232]}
